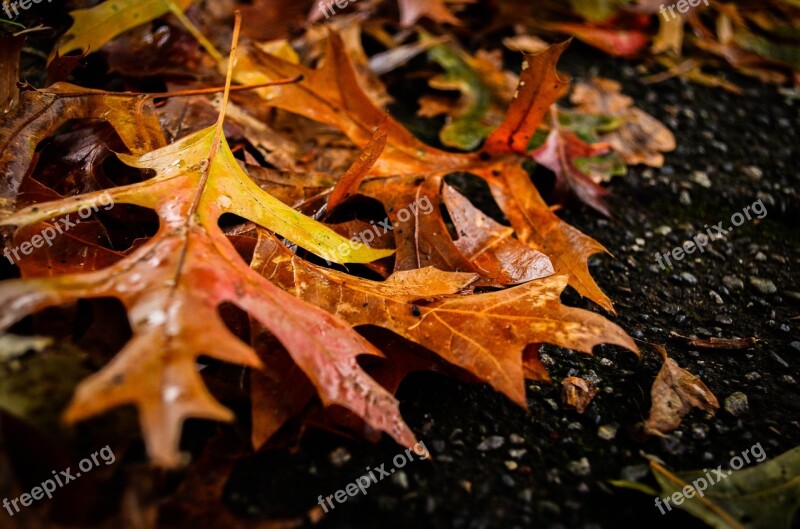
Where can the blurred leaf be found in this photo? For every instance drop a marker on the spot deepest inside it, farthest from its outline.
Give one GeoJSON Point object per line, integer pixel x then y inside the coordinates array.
{"type": "Point", "coordinates": [760, 497]}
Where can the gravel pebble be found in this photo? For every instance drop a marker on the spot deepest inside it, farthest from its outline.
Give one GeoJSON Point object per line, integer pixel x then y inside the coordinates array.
{"type": "Point", "coordinates": [607, 431]}
{"type": "Point", "coordinates": [765, 286]}
{"type": "Point", "coordinates": [736, 404]}
{"type": "Point", "coordinates": [491, 443]}
{"type": "Point", "coordinates": [580, 467]}
{"type": "Point", "coordinates": [733, 283]}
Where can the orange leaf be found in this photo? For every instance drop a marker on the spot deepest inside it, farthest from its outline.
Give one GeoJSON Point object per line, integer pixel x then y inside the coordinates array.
{"type": "Point", "coordinates": [539, 87]}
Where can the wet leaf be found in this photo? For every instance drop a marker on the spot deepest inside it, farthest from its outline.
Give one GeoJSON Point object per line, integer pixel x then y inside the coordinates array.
{"type": "Point", "coordinates": [484, 334]}
{"type": "Point", "coordinates": [577, 393]}
{"type": "Point", "coordinates": [560, 153]}
{"type": "Point", "coordinates": [675, 392]}
{"type": "Point", "coordinates": [197, 180]}
{"type": "Point", "coordinates": [764, 496]}
{"type": "Point", "coordinates": [94, 27]}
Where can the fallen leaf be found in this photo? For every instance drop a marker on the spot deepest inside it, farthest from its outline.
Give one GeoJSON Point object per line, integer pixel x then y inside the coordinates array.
{"type": "Point", "coordinates": [716, 343]}
{"type": "Point", "coordinates": [94, 27]}
{"type": "Point", "coordinates": [413, 10]}
{"type": "Point", "coordinates": [350, 182]}
{"type": "Point", "coordinates": [540, 86]}
{"type": "Point", "coordinates": [197, 180]}
{"type": "Point", "coordinates": [641, 138]}
{"type": "Point", "coordinates": [577, 393]}
{"type": "Point", "coordinates": [765, 496]}
{"type": "Point", "coordinates": [484, 334]}
{"type": "Point", "coordinates": [675, 392]}
{"type": "Point", "coordinates": [41, 112]}
{"type": "Point", "coordinates": [612, 40]}
{"type": "Point", "coordinates": [491, 247]}
{"type": "Point", "coordinates": [560, 153]}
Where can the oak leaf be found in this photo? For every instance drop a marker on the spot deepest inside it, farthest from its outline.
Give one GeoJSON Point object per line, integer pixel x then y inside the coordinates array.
{"type": "Point", "coordinates": [173, 285]}
{"type": "Point", "coordinates": [641, 138]}
{"type": "Point", "coordinates": [410, 171]}
{"type": "Point", "coordinates": [484, 334]}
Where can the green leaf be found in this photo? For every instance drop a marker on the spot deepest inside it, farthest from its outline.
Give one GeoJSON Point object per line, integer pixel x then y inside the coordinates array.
{"type": "Point", "coordinates": [759, 497]}
{"type": "Point", "coordinates": [93, 28]}
{"type": "Point", "coordinates": [597, 10]}
{"type": "Point", "coordinates": [467, 130]}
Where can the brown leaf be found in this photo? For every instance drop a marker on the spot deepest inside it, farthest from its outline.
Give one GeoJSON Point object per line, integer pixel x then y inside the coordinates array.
{"type": "Point", "coordinates": [540, 228]}
{"type": "Point", "coordinates": [716, 343]}
{"type": "Point", "coordinates": [577, 393]}
{"type": "Point", "coordinates": [491, 247]}
{"type": "Point", "coordinates": [413, 10]}
{"type": "Point", "coordinates": [10, 48]}
{"type": "Point", "coordinates": [559, 154]}
{"type": "Point", "coordinates": [674, 393]}
{"type": "Point", "coordinates": [198, 180]}
{"type": "Point", "coordinates": [350, 182]}
{"type": "Point", "coordinates": [540, 86]}
{"type": "Point", "coordinates": [423, 240]}
{"type": "Point", "coordinates": [484, 334]}
{"type": "Point", "coordinates": [641, 139]}
{"type": "Point", "coordinates": [41, 112]}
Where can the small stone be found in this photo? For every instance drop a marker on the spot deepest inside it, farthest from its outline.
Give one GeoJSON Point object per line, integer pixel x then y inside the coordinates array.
{"type": "Point", "coordinates": [634, 472]}
{"type": "Point", "coordinates": [607, 431]}
{"type": "Point", "coordinates": [764, 286]}
{"type": "Point", "coordinates": [606, 362]}
{"type": "Point", "coordinates": [516, 439]}
{"type": "Point", "coordinates": [517, 453]}
{"type": "Point", "coordinates": [491, 443]}
{"type": "Point", "coordinates": [736, 404]}
{"type": "Point", "coordinates": [724, 319]}
{"type": "Point", "coordinates": [791, 294]}
{"type": "Point", "coordinates": [400, 479]}
{"type": "Point", "coordinates": [339, 456]}
{"type": "Point", "coordinates": [511, 465]}
{"type": "Point", "coordinates": [795, 346]}
{"type": "Point", "coordinates": [752, 377]}
{"type": "Point", "coordinates": [789, 379]}
{"type": "Point", "coordinates": [526, 495]}
{"type": "Point", "coordinates": [700, 431]}
{"type": "Point", "coordinates": [684, 198]}
{"type": "Point", "coordinates": [701, 178]}
{"type": "Point", "coordinates": [760, 257]}
{"type": "Point", "coordinates": [778, 359]}
{"type": "Point", "coordinates": [688, 278]}
{"type": "Point", "coordinates": [716, 297]}
{"type": "Point", "coordinates": [580, 467]}
{"type": "Point", "coordinates": [733, 283]}
{"type": "Point", "coordinates": [663, 230]}
{"type": "Point", "coordinates": [753, 172]}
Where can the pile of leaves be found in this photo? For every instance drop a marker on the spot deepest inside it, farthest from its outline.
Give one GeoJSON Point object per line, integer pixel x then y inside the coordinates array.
{"type": "Point", "coordinates": [239, 190]}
